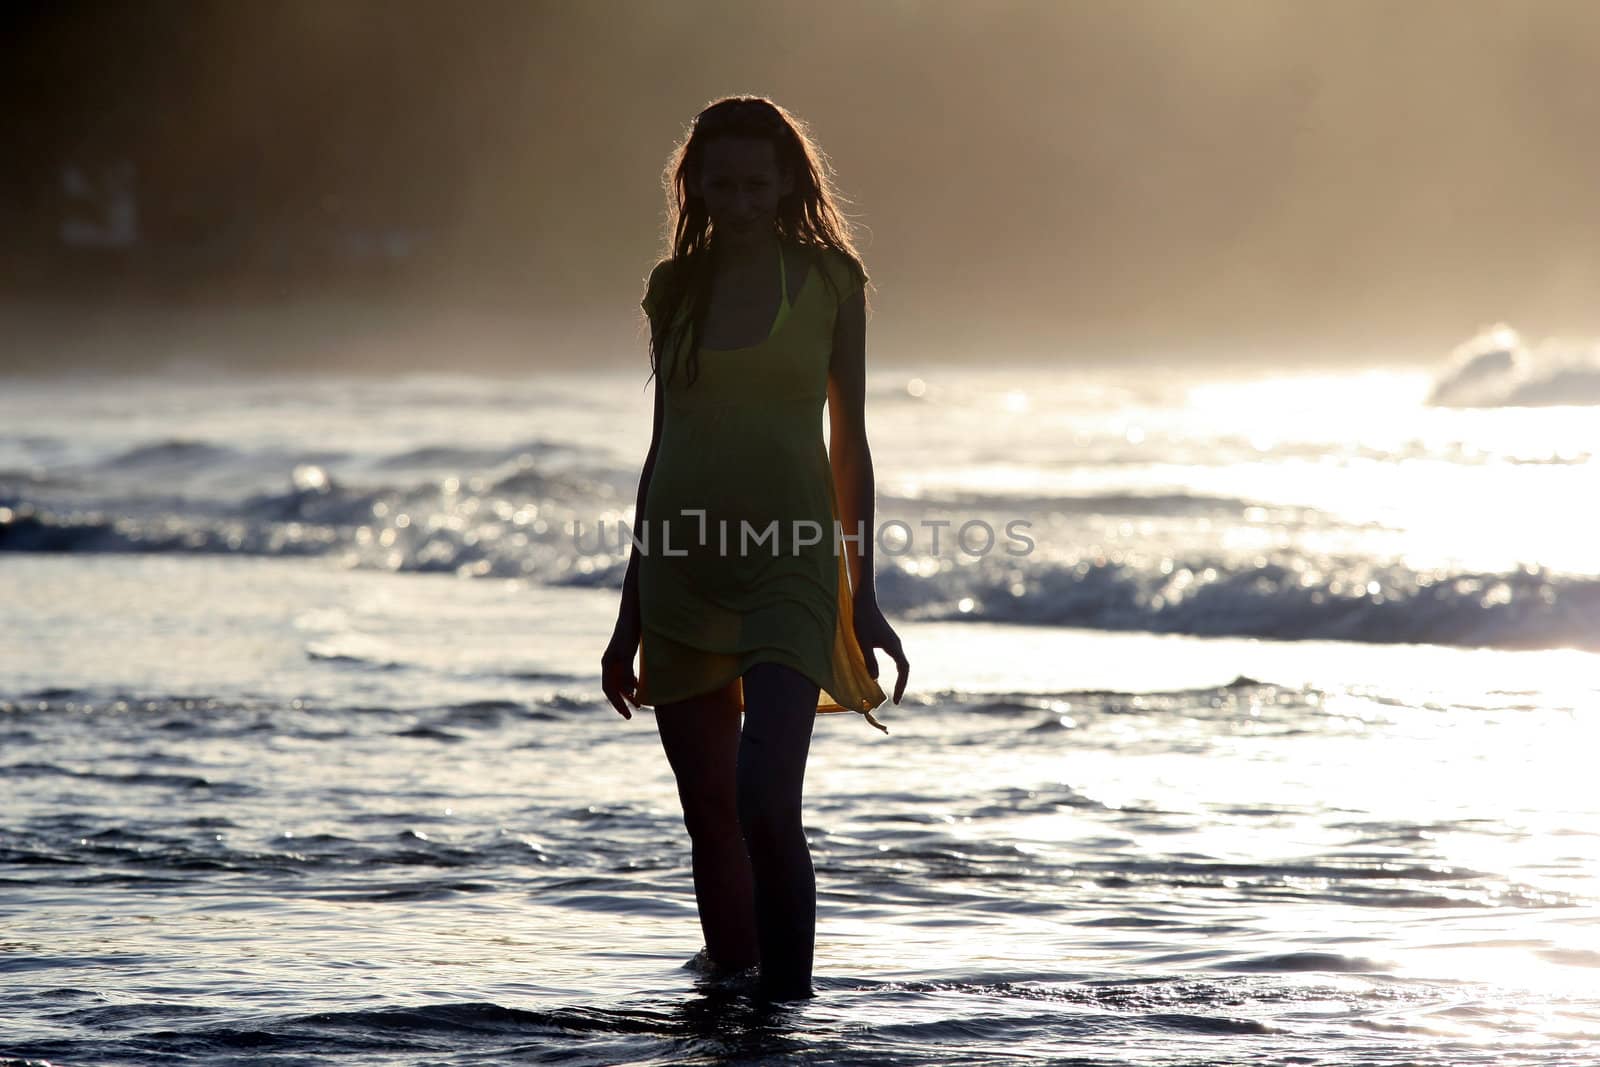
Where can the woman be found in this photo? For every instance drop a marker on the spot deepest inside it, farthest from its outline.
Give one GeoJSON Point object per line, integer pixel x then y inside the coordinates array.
{"type": "Point", "coordinates": [741, 596]}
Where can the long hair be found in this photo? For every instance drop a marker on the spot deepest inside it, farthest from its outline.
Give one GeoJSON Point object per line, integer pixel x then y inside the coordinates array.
{"type": "Point", "coordinates": [808, 215]}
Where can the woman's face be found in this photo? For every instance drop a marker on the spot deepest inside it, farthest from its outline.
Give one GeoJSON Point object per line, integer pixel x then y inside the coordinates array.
{"type": "Point", "coordinates": [741, 187]}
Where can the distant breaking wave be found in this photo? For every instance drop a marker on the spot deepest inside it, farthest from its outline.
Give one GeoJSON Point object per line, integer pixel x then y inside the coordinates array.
{"type": "Point", "coordinates": [1495, 369]}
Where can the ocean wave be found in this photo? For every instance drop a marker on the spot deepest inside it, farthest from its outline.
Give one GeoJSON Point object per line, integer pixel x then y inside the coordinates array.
{"type": "Point", "coordinates": [1496, 369]}
{"type": "Point", "coordinates": [457, 456]}
{"type": "Point", "coordinates": [1177, 503]}
{"type": "Point", "coordinates": [169, 453]}
{"type": "Point", "coordinates": [512, 522]}
{"type": "Point", "coordinates": [525, 520]}
{"type": "Point", "coordinates": [1293, 595]}
{"type": "Point", "coordinates": [1295, 598]}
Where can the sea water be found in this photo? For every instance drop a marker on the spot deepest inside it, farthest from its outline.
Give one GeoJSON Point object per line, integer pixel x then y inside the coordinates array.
{"type": "Point", "coordinates": [1277, 743]}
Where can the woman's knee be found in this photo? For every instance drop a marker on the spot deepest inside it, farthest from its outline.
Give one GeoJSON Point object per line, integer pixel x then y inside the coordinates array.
{"type": "Point", "coordinates": [710, 815]}
{"type": "Point", "coordinates": [767, 816]}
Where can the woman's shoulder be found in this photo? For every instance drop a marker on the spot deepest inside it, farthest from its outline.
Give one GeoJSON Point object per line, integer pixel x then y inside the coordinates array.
{"type": "Point", "coordinates": [843, 272]}
{"type": "Point", "coordinates": [662, 273]}
{"type": "Point", "coordinates": [662, 277]}
{"type": "Point", "coordinates": [668, 271]}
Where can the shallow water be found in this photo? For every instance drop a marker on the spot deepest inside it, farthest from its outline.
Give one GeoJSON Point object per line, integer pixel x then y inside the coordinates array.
{"type": "Point", "coordinates": [1302, 869]}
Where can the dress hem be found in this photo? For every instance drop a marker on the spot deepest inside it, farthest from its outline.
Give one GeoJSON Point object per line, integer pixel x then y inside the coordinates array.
{"type": "Point", "coordinates": [765, 655]}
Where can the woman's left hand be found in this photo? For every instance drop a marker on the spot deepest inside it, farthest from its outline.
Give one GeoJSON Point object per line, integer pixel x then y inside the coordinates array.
{"type": "Point", "coordinates": [874, 631]}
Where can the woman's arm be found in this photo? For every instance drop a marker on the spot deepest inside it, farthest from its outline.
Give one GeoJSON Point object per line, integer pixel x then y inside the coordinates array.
{"type": "Point", "coordinates": [851, 461]}
{"type": "Point", "coordinates": [848, 453]}
{"type": "Point", "coordinates": [629, 611]}
{"type": "Point", "coordinates": [617, 679]}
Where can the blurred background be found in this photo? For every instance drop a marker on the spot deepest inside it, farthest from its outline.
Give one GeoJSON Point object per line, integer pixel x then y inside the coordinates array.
{"type": "Point", "coordinates": [357, 183]}
{"type": "Point", "coordinates": [1273, 324]}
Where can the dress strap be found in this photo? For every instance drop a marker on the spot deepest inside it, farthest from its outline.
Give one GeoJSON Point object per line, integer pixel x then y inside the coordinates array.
{"type": "Point", "coordinates": [783, 294]}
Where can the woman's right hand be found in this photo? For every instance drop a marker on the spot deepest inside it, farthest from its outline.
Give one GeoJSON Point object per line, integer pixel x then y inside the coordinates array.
{"type": "Point", "coordinates": [617, 680]}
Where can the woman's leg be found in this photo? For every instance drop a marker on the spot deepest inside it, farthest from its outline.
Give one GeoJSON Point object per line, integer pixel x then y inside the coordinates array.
{"type": "Point", "coordinates": [701, 738]}
{"type": "Point", "coordinates": [780, 711]}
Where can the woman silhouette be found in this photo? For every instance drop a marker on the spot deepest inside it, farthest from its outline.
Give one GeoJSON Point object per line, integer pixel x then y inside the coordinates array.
{"type": "Point", "coordinates": [742, 595]}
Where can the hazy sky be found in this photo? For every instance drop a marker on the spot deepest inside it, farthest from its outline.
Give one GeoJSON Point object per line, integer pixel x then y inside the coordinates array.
{"type": "Point", "coordinates": [1267, 180]}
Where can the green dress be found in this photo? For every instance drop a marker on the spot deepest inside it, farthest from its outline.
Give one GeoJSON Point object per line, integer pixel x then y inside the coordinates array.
{"type": "Point", "coordinates": [756, 577]}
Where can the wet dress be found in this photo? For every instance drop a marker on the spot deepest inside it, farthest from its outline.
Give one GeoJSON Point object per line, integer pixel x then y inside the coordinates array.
{"type": "Point", "coordinates": [743, 563]}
